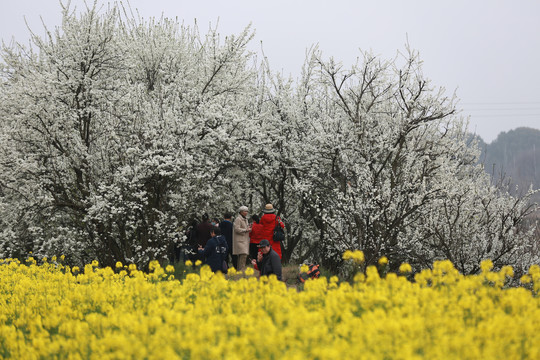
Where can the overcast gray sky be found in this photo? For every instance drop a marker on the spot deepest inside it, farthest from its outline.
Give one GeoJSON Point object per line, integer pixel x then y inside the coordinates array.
{"type": "Point", "coordinates": [488, 51]}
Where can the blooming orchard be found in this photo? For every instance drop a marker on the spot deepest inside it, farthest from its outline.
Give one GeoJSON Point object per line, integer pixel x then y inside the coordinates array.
{"type": "Point", "coordinates": [53, 310]}
{"type": "Point", "coordinates": [113, 142]}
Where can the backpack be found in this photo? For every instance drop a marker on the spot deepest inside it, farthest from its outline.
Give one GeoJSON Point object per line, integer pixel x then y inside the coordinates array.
{"type": "Point", "coordinates": [221, 249]}
{"type": "Point", "coordinates": [279, 233]}
{"type": "Point", "coordinates": [313, 273]}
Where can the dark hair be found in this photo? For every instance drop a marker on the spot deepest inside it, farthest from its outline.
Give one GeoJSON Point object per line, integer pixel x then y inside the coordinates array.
{"type": "Point", "coordinates": [255, 218]}
{"type": "Point", "coordinates": [227, 215]}
{"type": "Point", "coordinates": [205, 217]}
{"type": "Point", "coordinates": [216, 230]}
{"type": "Point", "coordinates": [216, 220]}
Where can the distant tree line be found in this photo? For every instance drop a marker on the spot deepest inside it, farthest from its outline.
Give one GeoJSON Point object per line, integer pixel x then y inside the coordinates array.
{"type": "Point", "coordinates": [514, 157]}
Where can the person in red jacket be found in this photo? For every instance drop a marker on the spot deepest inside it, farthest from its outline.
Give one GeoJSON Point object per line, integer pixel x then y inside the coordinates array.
{"type": "Point", "coordinates": [255, 237]}
{"type": "Point", "coordinates": [269, 221]}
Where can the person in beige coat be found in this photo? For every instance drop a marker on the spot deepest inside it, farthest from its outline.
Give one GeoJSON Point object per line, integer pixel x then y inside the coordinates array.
{"type": "Point", "coordinates": [241, 229]}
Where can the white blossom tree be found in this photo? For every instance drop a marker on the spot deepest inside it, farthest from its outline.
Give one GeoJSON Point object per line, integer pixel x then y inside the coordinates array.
{"type": "Point", "coordinates": [382, 155]}
{"type": "Point", "coordinates": [116, 124]}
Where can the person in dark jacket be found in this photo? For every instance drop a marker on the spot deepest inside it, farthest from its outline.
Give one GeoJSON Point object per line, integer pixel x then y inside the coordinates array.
{"type": "Point", "coordinates": [189, 250]}
{"type": "Point", "coordinates": [226, 227]}
{"type": "Point", "coordinates": [255, 237]}
{"type": "Point", "coordinates": [268, 261]}
{"type": "Point", "coordinates": [203, 230]}
{"type": "Point", "coordinates": [215, 251]}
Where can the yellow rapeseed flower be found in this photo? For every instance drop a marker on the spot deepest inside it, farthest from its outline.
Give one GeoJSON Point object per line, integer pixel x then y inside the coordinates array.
{"type": "Point", "coordinates": [50, 313]}
{"type": "Point", "coordinates": [357, 256]}
{"type": "Point", "coordinates": [507, 271]}
{"type": "Point", "coordinates": [153, 265]}
{"type": "Point", "coordinates": [347, 255]}
{"type": "Point", "coordinates": [486, 265]}
{"type": "Point", "coordinates": [405, 268]}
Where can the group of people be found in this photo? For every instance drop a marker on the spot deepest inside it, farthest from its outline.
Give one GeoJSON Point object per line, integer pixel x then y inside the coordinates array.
{"type": "Point", "coordinates": [239, 242]}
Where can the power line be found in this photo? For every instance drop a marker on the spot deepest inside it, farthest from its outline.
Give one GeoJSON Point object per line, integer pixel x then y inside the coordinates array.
{"type": "Point", "coordinates": [506, 115]}
{"type": "Point", "coordinates": [503, 109]}
{"type": "Point", "coordinates": [501, 103]}
{"type": "Point", "coordinates": [514, 109]}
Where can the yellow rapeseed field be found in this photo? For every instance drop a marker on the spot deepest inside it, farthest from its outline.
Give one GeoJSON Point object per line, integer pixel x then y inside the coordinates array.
{"type": "Point", "coordinates": [54, 311]}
